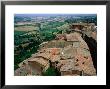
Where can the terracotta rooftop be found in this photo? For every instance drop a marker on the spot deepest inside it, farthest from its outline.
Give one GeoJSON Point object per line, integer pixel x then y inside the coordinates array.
{"type": "Point", "coordinates": [67, 65]}
{"type": "Point", "coordinates": [41, 61]}
{"type": "Point", "coordinates": [45, 55]}
{"type": "Point", "coordinates": [73, 37]}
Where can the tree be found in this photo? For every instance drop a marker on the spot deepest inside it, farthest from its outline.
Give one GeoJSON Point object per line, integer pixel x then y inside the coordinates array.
{"type": "Point", "coordinates": [50, 72]}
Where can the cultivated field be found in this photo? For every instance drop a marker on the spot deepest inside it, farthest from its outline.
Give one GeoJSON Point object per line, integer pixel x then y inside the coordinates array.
{"type": "Point", "coordinates": [26, 28]}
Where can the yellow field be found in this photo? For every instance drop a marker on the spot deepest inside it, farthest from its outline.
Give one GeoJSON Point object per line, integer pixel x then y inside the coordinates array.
{"type": "Point", "coordinates": [26, 28]}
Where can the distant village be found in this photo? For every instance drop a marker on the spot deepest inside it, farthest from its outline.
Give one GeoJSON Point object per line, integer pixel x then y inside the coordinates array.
{"type": "Point", "coordinates": [72, 52]}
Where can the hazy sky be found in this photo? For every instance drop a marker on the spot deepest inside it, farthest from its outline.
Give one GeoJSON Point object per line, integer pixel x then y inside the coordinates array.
{"type": "Point", "coordinates": [33, 15]}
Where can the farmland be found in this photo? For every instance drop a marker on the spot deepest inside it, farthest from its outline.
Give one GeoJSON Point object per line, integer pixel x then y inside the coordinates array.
{"type": "Point", "coordinates": [26, 28]}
